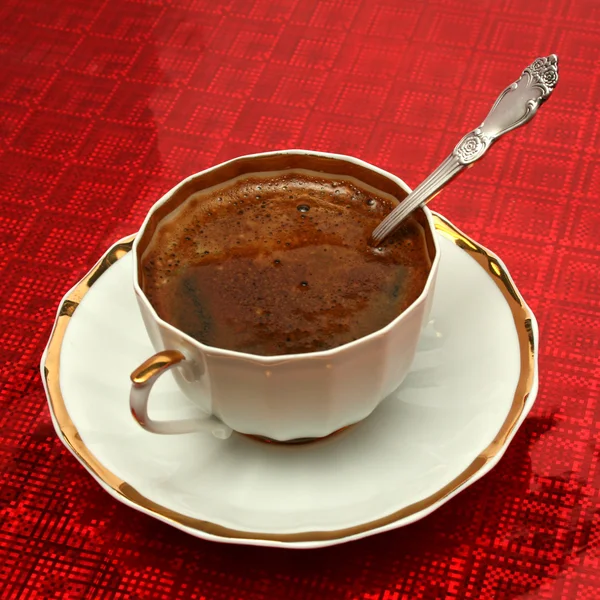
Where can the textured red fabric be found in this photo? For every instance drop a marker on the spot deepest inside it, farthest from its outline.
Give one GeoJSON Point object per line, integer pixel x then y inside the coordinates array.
{"type": "Point", "coordinates": [106, 104]}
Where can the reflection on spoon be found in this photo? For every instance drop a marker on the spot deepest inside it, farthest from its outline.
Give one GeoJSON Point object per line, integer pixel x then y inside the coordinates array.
{"type": "Point", "coordinates": [515, 106]}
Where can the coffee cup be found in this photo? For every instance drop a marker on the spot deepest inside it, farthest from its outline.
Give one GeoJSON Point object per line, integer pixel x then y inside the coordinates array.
{"type": "Point", "coordinates": [285, 397]}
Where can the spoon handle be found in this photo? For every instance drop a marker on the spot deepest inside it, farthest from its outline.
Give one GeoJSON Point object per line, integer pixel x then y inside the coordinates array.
{"type": "Point", "coordinates": [515, 106]}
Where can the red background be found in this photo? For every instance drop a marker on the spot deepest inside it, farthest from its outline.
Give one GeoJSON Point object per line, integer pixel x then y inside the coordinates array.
{"type": "Point", "coordinates": [104, 105]}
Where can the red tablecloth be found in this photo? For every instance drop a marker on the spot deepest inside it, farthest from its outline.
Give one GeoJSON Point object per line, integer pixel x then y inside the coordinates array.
{"type": "Point", "coordinates": [104, 105]}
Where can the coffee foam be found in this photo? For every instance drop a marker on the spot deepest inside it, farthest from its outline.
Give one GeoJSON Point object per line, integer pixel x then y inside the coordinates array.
{"type": "Point", "coordinates": [291, 245]}
{"type": "Point", "coordinates": [212, 199]}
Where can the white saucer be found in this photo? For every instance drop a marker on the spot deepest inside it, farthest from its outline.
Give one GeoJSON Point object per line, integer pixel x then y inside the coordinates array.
{"type": "Point", "coordinates": [473, 382]}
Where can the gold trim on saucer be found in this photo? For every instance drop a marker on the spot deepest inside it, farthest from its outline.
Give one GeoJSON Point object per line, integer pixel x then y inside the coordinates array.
{"type": "Point", "coordinates": [51, 368]}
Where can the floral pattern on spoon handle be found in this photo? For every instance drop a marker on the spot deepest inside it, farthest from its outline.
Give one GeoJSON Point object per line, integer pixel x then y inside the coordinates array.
{"type": "Point", "coordinates": [515, 106]}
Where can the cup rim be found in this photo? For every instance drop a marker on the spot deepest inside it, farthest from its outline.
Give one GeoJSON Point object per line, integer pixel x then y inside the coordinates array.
{"type": "Point", "coordinates": [282, 358]}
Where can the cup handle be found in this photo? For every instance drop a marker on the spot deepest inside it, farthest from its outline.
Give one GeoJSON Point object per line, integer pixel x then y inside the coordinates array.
{"type": "Point", "coordinates": [142, 380]}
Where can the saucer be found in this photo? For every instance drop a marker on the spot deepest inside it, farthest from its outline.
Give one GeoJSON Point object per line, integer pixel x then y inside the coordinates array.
{"type": "Point", "coordinates": [472, 384]}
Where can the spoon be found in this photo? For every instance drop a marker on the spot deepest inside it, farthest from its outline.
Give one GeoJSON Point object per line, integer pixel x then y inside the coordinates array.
{"type": "Point", "coordinates": [515, 106]}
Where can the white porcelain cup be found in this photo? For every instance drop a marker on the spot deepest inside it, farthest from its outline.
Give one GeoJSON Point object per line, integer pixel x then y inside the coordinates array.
{"type": "Point", "coordinates": [290, 397]}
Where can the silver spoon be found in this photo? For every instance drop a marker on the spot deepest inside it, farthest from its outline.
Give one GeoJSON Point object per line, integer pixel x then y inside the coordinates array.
{"type": "Point", "coordinates": [515, 106]}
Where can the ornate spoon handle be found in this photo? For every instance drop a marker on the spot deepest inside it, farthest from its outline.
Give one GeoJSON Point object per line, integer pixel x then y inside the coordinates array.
{"type": "Point", "coordinates": [515, 106]}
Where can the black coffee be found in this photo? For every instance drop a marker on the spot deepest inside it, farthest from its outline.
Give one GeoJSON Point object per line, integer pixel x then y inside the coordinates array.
{"type": "Point", "coordinates": [280, 264]}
